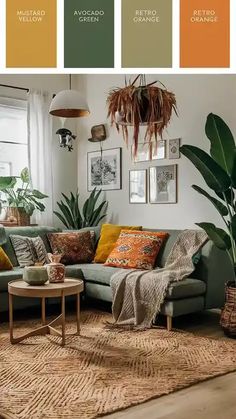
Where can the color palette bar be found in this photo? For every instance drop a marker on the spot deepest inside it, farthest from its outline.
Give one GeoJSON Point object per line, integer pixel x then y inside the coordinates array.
{"type": "Point", "coordinates": [89, 33]}
{"type": "Point", "coordinates": [205, 33]}
{"type": "Point", "coordinates": [147, 33]}
{"type": "Point", "coordinates": [31, 33]}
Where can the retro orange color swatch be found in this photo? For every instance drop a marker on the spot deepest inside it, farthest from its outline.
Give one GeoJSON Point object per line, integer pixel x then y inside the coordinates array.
{"type": "Point", "coordinates": [205, 33]}
{"type": "Point", "coordinates": [31, 33]}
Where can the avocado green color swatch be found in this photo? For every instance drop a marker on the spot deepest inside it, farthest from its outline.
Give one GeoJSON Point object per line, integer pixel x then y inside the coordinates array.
{"type": "Point", "coordinates": [89, 33]}
{"type": "Point", "coordinates": [147, 33]}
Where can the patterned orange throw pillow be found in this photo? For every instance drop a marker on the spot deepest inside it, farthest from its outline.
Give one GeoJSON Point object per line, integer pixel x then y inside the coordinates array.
{"type": "Point", "coordinates": [136, 249]}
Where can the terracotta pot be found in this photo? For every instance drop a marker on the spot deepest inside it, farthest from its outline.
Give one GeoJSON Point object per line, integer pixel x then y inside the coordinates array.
{"type": "Point", "coordinates": [228, 314]}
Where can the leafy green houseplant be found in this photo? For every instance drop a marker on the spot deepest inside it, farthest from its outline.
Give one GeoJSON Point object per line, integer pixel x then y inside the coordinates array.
{"type": "Point", "coordinates": [219, 172]}
{"type": "Point", "coordinates": [74, 218]}
{"type": "Point", "coordinates": [22, 200]}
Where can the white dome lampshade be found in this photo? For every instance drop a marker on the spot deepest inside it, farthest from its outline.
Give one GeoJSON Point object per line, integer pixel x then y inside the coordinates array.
{"type": "Point", "coordinates": [69, 104]}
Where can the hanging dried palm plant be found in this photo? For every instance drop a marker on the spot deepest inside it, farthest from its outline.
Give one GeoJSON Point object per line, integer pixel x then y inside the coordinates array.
{"type": "Point", "coordinates": [145, 104]}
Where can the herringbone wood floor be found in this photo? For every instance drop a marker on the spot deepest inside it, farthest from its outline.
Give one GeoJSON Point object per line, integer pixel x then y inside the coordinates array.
{"type": "Point", "coordinates": [213, 399]}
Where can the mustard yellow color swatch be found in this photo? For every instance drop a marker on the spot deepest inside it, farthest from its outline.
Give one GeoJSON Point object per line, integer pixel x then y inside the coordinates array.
{"type": "Point", "coordinates": [31, 33]}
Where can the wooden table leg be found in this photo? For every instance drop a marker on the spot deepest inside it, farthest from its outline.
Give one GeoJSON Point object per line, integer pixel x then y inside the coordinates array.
{"type": "Point", "coordinates": [63, 319]}
{"type": "Point", "coordinates": [78, 314]}
{"type": "Point", "coordinates": [43, 312]}
{"type": "Point", "coordinates": [11, 317]}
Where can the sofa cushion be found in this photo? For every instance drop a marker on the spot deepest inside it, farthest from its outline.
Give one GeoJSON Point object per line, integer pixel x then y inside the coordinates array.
{"type": "Point", "coordinates": [74, 271]}
{"type": "Point", "coordinates": [136, 249]}
{"type": "Point", "coordinates": [5, 263]}
{"type": "Point", "coordinates": [74, 247]}
{"type": "Point", "coordinates": [188, 287]}
{"type": "Point", "coordinates": [7, 276]}
{"type": "Point", "coordinates": [108, 238]}
{"type": "Point", "coordinates": [95, 272]}
{"type": "Point", "coordinates": [26, 231]}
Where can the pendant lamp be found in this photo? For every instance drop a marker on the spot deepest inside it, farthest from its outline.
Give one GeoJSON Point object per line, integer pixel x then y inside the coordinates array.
{"type": "Point", "coordinates": [69, 104]}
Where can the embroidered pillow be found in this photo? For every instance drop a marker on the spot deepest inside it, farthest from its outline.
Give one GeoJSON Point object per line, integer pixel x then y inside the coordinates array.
{"type": "Point", "coordinates": [5, 263]}
{"type": "Point", "coordinates": [136, 249]}
{"type": "Point", "coordinates": [29, 250]}
{"type": "Point", "coordinates": [74, 246]}
{"type": "Point", "coordinates": [107, 241]}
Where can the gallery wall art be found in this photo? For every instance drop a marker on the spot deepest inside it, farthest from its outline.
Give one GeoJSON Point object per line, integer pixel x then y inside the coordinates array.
{"type": "Point", "coordinates": [147, 152]}
{"type": "Point", "coordinates": [163, 184]}
{"type": "Point", "coordinates": [104, 169]}
{"type": "Point", "coordinates": [138, 186]}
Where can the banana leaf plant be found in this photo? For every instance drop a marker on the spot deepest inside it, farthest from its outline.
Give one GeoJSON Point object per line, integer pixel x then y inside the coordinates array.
{"type": "Point", "coordinates": [71, 216]}
{"type": "Point", "coordinates": [23, 196]}
{"type": "Point", "coordinates": [219, 172]}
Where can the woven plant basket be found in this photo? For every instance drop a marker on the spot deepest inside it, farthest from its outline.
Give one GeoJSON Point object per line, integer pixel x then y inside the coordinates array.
{"type": "Point", "coordinates": [23, 219]}
{"type": "Point", "coordinates": [20, 215]}
{"type": "Point", "coordinates": [228, 314]}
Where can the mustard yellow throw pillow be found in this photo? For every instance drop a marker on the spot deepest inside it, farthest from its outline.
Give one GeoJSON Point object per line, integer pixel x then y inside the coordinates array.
{"type": "Point", "coordinates": [5, 263]}
{"type": "Point", "coordinates": [108, 238]}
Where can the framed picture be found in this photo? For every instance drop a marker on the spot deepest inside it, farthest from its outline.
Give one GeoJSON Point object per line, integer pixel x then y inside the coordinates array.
{"type": "Point", "coordinates": [174, 146]}
{"type": "Point", "coordinates": [163, 184]}
{"type": "Point", "coordinates": [145, 152]}
{"type": "Point", "coordinates": [104, 169]}
{"type": "Point", "coordinates": [138, 186]}
{"type": "Point", "coordinates": [5, 168]}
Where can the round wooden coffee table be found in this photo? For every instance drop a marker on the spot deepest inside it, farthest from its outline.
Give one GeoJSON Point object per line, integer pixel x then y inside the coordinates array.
{"type": "Point", "coordinates": [22, 289]}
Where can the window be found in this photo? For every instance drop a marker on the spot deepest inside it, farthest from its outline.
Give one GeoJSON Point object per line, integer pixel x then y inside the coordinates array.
{"type": "Point", "coordinates": [14, 155]}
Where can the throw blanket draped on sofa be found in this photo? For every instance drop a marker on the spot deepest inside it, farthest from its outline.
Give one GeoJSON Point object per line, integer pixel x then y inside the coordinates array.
{"type": "Point", "coordinates": [138, 295]}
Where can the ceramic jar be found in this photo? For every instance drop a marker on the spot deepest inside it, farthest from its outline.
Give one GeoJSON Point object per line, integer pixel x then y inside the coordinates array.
{"type": "Point", "coordinates": [55, 269]}
{"type": "Point", "coordinates": [35, 275]}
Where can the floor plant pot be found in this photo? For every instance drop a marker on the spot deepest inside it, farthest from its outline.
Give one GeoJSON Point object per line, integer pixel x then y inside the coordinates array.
{"type": "Point", "coordinates": [21, 217]}
{"type": "Point", "coordinates": [228, 314]}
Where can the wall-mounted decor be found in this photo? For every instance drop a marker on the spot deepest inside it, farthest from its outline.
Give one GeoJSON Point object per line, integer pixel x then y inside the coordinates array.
{"type": "Point", "coordinates": [66, 138]}
{"type": "Point", "coordinates": [98, 134]}
{"type": "Point", "coordinates": [144, 104]}
{"type": "Point", "coordinates": [174, 146]}
{"type": "Point", "coordinates": [138, 186]}
{"type": "Point", "coordinates": [149, 151]}
{"type": "Point", "coordinates": [163, 184]}
{"type": "Point", "coordinates": [104, 169]}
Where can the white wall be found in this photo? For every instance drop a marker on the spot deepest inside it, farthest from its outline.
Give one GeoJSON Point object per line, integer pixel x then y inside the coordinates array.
{"type": "Point", "coordinates": [196, 97]}
{"type": "Point", "coordinates": [64, 163]}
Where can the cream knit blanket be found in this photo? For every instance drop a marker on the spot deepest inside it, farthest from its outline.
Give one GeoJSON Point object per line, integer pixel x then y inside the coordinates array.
{"type": "Point", "coordinates": [138, 295]}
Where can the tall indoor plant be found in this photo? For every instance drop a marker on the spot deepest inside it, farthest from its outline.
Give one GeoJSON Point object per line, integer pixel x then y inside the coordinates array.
{"type": "Point", "coordinates": [141, 103]}
{"type": "Point", "coordinates": [20, 197]}
{"type": "Point", "coordinates": [74, 218]}
{"type": "Point", "coordinates": [219, 172]}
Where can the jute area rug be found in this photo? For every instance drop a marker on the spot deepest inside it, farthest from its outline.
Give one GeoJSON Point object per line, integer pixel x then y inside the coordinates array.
{"type": "Point", "coordinates": [102, 370]}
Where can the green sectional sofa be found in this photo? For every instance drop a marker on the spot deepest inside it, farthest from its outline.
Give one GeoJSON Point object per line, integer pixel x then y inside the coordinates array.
{"type": "Point", "coordinates": [204, 290]}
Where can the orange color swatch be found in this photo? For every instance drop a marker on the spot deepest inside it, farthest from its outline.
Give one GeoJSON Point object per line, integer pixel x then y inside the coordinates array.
{"type": "Point", "coordinates": [31, 33]}
{"type": "Point", "coordinates": [205, 33]}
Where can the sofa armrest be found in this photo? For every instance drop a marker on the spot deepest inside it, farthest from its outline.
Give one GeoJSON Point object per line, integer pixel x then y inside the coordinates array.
{"type": "Point", "coordinates": [215, 269]}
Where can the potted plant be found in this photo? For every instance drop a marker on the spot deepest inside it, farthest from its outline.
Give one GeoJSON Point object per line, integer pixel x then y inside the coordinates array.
{"type": "Point", "coordinates": [143, 104]}
{"type": "Point", "coordinates": [73, 218]}
{"type": "Point", "coordinates": [219, 172]}
{"type": "Point", "coordinates": [22, 200]}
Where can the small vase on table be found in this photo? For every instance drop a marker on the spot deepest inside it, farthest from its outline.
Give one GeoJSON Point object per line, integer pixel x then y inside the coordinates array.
{"type": "Point", "coordinates": [56, 270]}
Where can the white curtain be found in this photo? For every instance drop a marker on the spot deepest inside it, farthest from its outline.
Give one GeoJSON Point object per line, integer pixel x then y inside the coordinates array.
{"type": "Point", "coordinates": [40, 151]}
